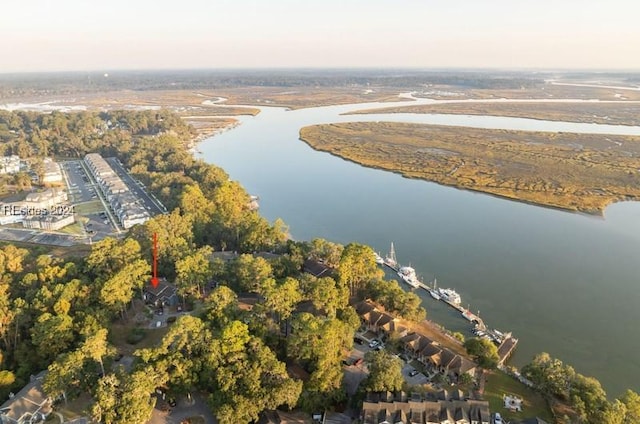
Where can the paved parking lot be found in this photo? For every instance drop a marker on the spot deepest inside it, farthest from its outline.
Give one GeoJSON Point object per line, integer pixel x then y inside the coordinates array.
{"type": "Point", "coordinates": [153, 206]}
{"type": "Point", "coordinates": [35, 236]}
{"type": "Point", "coordinates": [78, 184]}
{"type": "Point", "coordinates": [417, 379]}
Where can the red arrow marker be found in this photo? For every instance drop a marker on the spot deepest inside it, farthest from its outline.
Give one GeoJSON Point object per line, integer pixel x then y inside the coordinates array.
{"type": "Point", "coordinates": [154, 279]}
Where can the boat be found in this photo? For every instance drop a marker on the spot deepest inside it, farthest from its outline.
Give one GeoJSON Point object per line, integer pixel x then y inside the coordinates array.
{"type": "Point", "coordinates": [434, 291]}
{"type": "Point", "coordinates": [469, 316]}
{"type": "Point", "coordinates": [450, 295]}
{"type": "Point", "coordinates": [379, 259]}
{"type": "Point", "coordinates": [409, 276]}
{"type": "Point", "coordinates": [390, 260]}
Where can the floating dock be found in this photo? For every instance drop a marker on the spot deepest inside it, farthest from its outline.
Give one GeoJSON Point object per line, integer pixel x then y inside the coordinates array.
{"type": "Point", "coordinates": [506, 342]}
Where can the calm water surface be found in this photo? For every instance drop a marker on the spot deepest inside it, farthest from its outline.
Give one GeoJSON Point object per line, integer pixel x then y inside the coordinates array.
{"type": "Point", "coordinates": [564, 283]}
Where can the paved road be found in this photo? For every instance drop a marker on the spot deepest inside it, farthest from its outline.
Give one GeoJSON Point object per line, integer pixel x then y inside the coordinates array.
{"type": "Point", "coordinates": [153, 206]}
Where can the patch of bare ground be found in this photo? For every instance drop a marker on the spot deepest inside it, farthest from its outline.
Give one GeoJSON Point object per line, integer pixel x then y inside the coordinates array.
{"type": "Point", "coordinates": [578, 172]}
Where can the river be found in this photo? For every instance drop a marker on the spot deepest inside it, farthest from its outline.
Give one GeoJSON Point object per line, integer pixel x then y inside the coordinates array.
{"type": "Point", "coordinates": [563, 283]}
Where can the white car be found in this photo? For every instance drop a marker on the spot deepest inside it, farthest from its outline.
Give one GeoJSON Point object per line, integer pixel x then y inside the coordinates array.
{"type": "Point", "coordinates": [497, 419]}
{"type": "Point", "coordinates": [373, 343]}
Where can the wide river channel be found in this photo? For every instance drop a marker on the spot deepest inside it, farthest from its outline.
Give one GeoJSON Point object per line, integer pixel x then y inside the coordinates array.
{"type": "Point", "coordinates": [563, 283]}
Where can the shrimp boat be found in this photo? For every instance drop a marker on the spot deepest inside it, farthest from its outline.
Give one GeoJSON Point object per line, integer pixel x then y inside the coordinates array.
{"type": "Point", "coordinates": [390, 260]}
{"type": "Point", "coordinates": [434, 291]}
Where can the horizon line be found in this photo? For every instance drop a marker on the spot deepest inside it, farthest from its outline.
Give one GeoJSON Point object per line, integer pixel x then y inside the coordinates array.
{"type": "Point", "coordinates": [327, 68]}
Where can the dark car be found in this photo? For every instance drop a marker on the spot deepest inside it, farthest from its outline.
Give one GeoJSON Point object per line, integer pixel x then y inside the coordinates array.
{"type": "Point", "coordinates": [413, 373]}
{"type": "Point", "coordinates": [358, 340]}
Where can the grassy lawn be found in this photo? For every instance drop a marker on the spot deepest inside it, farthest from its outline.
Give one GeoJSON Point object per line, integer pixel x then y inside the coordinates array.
{"type": "Point", "coordinates": [73, 229]}
{"type": "Point", "coordinates": [75, 408]}
{"type": "Point", "coordinates": [499, 383]}
{"type": "Point", "coordinates": [138, 319]}
{"type": "Point", "coordinates": [89, 207]}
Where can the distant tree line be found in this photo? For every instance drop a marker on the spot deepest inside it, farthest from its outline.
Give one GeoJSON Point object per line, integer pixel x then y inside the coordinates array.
{"type": "Point", "coordinates": [20, 85]}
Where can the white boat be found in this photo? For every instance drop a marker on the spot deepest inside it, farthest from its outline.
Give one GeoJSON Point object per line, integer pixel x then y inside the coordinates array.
{"type": "Point", "coordinates": [450, 295]}
{"type": "Point", "coordinates": [434, 291]}
{"type": "Point", "coordinates": [390, 260]}
{"type": "Point", "coordinates": [379, 259]}
{"type": "Point", "coordinates": [409, 276]}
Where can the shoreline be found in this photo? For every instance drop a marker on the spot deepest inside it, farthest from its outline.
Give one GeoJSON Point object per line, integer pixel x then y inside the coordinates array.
{"type": "Point", "coordinates": [415, 109]}
{"type": "Point", "coordinates": [587, 212]}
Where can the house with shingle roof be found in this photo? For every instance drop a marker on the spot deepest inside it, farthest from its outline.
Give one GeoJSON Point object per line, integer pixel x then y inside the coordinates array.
{"type": "Point", "coordinates": [29, 405]}
{"type": "Point", "coordinates": [443, 408]}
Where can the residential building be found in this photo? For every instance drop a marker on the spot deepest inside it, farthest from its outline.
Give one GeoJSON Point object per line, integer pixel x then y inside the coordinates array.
{"type": "Point", "coordinates": [52, 171]}
{"type": "Point", "coordinates": [46, 199]}
{"type": "Point", "coordinates": [439, 408]}
{"type": "Point", "coordinates": [125, 205]}
{"type": "Point", "coordinates": [316, 268]}
{"type": "Point", "coordinates": [29, 405]}
{"type": "Point", "coordinates": [48, 222]}
{"type": "Point", "coordinates": [9, 164]}
{"type": "Point", "coordinates": [164, 294]}
{"type": "Point", "coordinates": [7, 216]}
{"type": "Point", "coordinates": [429, 352]}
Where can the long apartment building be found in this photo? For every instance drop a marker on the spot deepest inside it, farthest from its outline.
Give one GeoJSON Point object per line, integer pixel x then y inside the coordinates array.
{"type": "Point", "coordinates": [124, 204]}
{"type": "Point", "coordinates": [433, 408]}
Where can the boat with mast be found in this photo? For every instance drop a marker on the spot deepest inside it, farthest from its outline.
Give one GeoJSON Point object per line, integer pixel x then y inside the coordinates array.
{"type": "Point", "coordinates": [390, 260]}
{"type": "Point", "coordinates": [434, 291]}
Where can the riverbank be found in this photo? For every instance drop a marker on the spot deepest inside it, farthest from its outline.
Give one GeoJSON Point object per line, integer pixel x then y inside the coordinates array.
{"type": "Point", "coordinates": [575, 172]}
{"type": "Point", "coordinates": [608, 113]}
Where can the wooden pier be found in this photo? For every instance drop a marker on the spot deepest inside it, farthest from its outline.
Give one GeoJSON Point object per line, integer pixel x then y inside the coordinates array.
{"type": "Point", "coordinates": [506, 342]}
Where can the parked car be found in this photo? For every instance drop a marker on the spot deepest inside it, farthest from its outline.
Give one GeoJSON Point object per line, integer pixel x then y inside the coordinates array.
{"type": "Point", "coordinates": [358, 340]}
{"type": "Point", "coordinates": [497, 419]}
{"type": "Point", "coordinates": [413, 373]}
{"type": "Point", "coordinates": [373, 343]}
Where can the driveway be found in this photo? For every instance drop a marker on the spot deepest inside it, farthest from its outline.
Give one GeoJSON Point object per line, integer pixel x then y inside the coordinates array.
{"type": "Point", "coordinates": [184, 410]}
{"type": "Point", "coordinates": [417, 379]}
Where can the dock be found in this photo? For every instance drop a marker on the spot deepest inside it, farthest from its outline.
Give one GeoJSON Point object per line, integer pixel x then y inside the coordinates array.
{"type": "Point", "coordinates": [506, 348]}
{"type": "Point", "coordinates": [506, 342]}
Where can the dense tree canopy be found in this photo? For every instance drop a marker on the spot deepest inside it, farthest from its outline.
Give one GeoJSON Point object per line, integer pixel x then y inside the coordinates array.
{"type": "Point", "coordinates": [385, 372]}
{"type": "Point", "coordinates": [485, 352]}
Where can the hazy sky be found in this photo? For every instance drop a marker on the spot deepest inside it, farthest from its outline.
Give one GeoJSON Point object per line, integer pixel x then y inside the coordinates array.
{"type": "Point", "coordinates": [42, 35]}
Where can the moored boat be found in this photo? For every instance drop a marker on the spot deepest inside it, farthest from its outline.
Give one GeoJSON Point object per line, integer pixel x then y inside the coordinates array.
{"type": "Point", "coordinates": [450, 295]}
{"type": "Point", "coordinates": [390, 260]}
{"type": "Point", "coordinates": [409, 276]}
{"type": "Point", "coordinates": [434, 291]}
